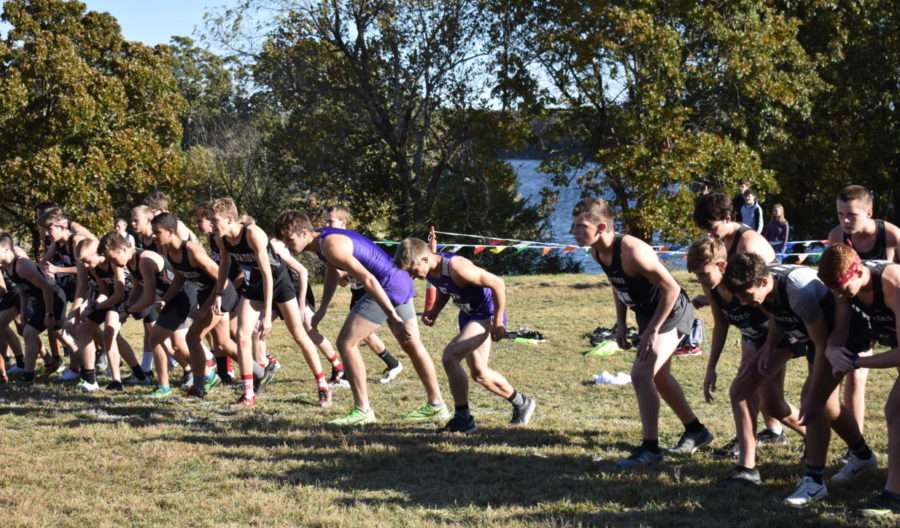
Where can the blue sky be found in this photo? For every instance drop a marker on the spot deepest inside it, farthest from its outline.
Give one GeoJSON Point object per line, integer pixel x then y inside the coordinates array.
{"type": "Point", "coordinates": [154, 21]}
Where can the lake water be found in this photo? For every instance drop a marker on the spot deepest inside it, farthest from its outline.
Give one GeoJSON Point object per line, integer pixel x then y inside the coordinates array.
{"type": "Point", "coordinates": [530, 184]}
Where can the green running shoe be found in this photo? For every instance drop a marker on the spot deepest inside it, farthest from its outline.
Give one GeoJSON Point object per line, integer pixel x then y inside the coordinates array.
{"type": "Point", "coordinates": [211, 381]}
{"type": "Point", "coordinates": [355, 417]}
{"type": "Point", "coordinates": [428, 412]}
{"type": "Point", "coordinates": [159, 393]}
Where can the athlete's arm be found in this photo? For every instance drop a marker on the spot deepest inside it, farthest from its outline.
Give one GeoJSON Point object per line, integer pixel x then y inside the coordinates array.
{"type": "Point", "coordinates": [328, 289]}
{"type": "Point", "coordinates": [892, 236]}
{"type": "Point", "coordinates": [463, 272]}
{"type": "Point", "coordinates": [185, 233]}
{"type": "Point", "coordinates": [430, 316]}
{"type": "Point", "coordinates": [222, 278]}
{"type": "Point", "coordinates": [75, 226]}
{"type": "Point", "coordinates": [639, 260]}
{"type": "Point", "coordinates": [836, 235]}
{"type": "Point", "coordinates": [149, 266]}
{"type": "Point", "coordinates": [753, 242]}
{"type": "Point", "coordinates": [30, 272]}
{"type": "Point", "coordinates": [293, 264]}
{"type": "Point", "coordinates": [890, 281]}
{"type": "Point", "coordinates": [837, 339]}
{"type": "Point", "coordinates": [259, 242]}
{"type": "Point", "coordinates": [118, 291]}
{"type": "Point", "coordinates": [3, 288]}
{"type": "Point", "coordinates": [720, 333]}
{"type": "Point", "coordinates": [338, 249]}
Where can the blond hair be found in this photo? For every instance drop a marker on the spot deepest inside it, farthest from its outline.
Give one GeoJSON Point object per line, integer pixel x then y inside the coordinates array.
{"type": "Point", "coordinates": [410, 251]}
{"type": "Point", "coordinates": [704, 252]}
{"type": "Point", "coordinates": [224, 207]}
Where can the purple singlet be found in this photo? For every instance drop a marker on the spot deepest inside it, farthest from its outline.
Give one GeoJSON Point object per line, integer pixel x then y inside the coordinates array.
{"type": "Point", "coordinates": [397, 284]}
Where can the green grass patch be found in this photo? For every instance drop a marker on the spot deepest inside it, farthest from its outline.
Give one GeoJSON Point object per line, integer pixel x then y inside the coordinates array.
{"type": "Point", "coordinates": [112, 460]}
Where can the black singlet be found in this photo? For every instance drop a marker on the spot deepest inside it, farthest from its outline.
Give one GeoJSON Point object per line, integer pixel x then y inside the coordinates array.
{"type": "Point", "coordinates": [196, 276]}
{"type": "Point", "coordinates": [637, 293]}
{"type": "Point", "coordinates": [163, 278]}
{"type": "Point", "coordinates": [246, 257]}
{"type": "Point", "coordinates": [881, 317]}
{"type": "Point", "coordinates": [878, 251]}
{"type": "Point", "coordinates": [752, 322]}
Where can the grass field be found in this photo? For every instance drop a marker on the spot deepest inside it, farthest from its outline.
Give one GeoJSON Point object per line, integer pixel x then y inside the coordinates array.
{"type": "Point", "coordinates": [112, 460]}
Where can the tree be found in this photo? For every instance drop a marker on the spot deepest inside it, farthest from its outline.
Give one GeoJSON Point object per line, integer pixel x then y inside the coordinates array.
{"type": "Point", "coordinates": [87, 119]}
{"type": "Point", "coordinates": [664, 97]}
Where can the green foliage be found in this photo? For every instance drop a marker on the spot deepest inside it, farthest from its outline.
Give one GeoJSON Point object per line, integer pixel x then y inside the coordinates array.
{"type": "Point", "coordinates": [88, 120]}
{"type": "Point", "coordinates": [665, 97]}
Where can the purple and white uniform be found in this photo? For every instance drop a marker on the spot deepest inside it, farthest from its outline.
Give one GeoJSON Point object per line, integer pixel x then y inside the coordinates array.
{"type": "Point", "coordinates": [475, 303]}
{"type": "Point", "coordinates": [396, 283]}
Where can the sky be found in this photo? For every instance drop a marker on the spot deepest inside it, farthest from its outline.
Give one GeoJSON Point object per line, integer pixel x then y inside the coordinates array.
{"type": "Point", "coordinates": [153, 21]}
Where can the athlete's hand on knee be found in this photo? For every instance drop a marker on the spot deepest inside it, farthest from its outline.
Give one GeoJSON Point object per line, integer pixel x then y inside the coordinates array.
{"type": "Point", "coordinates": [765, 360]}
{"type": "Point", "coordinates": [700, 301]}
{"type": "Point", "coordinates": [622, 337]}
{"type": "Point", "coordinates": [264, 327]}
{"type": "Point", "coordinates": [647, 344]}
{"type": "Point", "coordinates": [840, 359]}
{"type": "Point", "coordinates": [398, 327]}
{"type": "Point", "coordinates": [498, 331]}
{"type": "Point", "coordinates": [709, 385]}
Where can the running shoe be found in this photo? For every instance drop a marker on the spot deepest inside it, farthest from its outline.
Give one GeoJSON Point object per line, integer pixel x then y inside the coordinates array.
{"type": "Point", "coordinates": [691, 442]}
{"type": "Point", "coordinates": [688, 350]}
{"type": "Point", "coordinates": [522, 413]}
{"type": "Point", "coordinates": [729, 450]}
{"type": "Point", "coordinates": [244, 401]}
{"type": "Point", "coordinates": [428, 412]}
{"type": "Point", "coordinates": [187, 378]}
{"type": "Point", "coordinates": [84, 386]}
{"type": "Point", "coordinates": [68, 375]}
{"type": "Point", "coordinates": [390, 374]}
{"type": "Point", "coordinates": [854, 467]}
{"type": "Point", "coordinates": [14, 370]}
{"type": "Point", "coordinates": [768, 436]}
{"type": "Point", "coordinates": [355, 417]}
{"type": "Point", "coordinates": [808, 491]}
{"type": "Point", "coordinates": [337, 379]}
{"type": "Point", "coordinates": [740, 476]}
{"type": "Point", "coordinates": [640, 456]}
{"type": "Point", "coordinates": [324, 396]}
{"type": "Point", "coordinates": [194, 393]}
{"type": "Point", "coordinates": [210, 383]}
{"type": "Point", "coordinates": [886, 504]}
{"type": "Point", "coordinates": [49, 369]}
{"type": "Point", "coordinates": [115, 386]}
{"type": "Point", "coordinates": [268, 377]}
{"type": "Point", "coordinates": [133, 380]}
{"type": "Point", "coordinates": [459, 425]}
{"type": "Point", "coordinates": [159, 393]}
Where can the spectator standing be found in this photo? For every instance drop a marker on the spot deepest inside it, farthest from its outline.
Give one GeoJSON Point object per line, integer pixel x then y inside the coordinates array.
{"type": "Point", "coordinates": [751, 212]}
{"type": "Point", "coordinates": [778, 231]}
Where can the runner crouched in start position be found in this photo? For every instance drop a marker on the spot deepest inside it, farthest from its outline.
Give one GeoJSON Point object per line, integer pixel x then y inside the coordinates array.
{"type": "Point", "coordinates": [663, 314]}
{"type": "Point", "coordinates": [388, 299]}
{"type": "Point", "coordinates": [481, 298]}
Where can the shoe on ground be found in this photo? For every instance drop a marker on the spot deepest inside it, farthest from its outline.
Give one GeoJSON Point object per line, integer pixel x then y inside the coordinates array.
{"type": "Point", "coordinates": [187, 378]}
{"type": "Point", "coordinates": [15, 370]}
{"type": "Point", "coordinates": [355, 417]}
{"type": "Point", "coordinates": [259, 386]}
{"type": "Point", "coordinates": [459, 425]}
{"type": "Point", "coordinates": [49, 369]}
{"type": "Point", "coordinates": [160, 393]}
{"type": "Point", "coordinates": [729, 450]}
{"type": "Point", "coordinates": [324, 396]}
{"type": "Point", "coordinates": [210, 383]}
{"type": "Point", "coordinates": [740, 476]}
{"type": "Point", "coordinates": [691, 442]}
{"type": "Point", "coordinates": [522, 413]}
{"type": "Point", "coordinates": [886, 504]}
{"type": "Point", "coordinates": [68, 375]}
{"type": "Point", "coordinates": [244, 401]}
{"type": "Point", "coordinates": [337, 379]}
{"type": "Point", "coordinates": [194, 393]}
{"type": "Point", "coordinates": [132, 380]}
{"type": "Point", "coordinates": [390, 374]}
{"type": "Point", "coordinates": [640, 456]}
{"type": "Point", "coordinates": [854, 467]}
{"type": "Point", "coordinates": [845, 456]}
{"type": "Point", "coordinates": [428, 412]}
{"type": "Point", "coordinates": [768, 436]}
{"type": "Point", "coordinates": [84, 386]}
{"type": "Point", "coordinates": [686, 350]}
{"type": "Point", "coordinates": [808, 491]}
{"type": "Point", "coordinates": [115, 386]}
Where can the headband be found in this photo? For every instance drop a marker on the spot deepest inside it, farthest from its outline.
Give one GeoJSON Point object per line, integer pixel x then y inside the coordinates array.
{"type": "Point", "coordinates": [846, 276]}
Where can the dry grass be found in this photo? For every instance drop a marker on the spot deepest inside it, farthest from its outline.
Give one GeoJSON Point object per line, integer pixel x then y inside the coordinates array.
{"type": "Point", "coordinates": [117, 460]}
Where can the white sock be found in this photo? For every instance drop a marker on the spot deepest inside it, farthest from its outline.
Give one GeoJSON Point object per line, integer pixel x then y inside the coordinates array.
{"type": "Point", "coordinates": [207, 352]}
{"type": "Point", "coordinates": [778, 429]}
